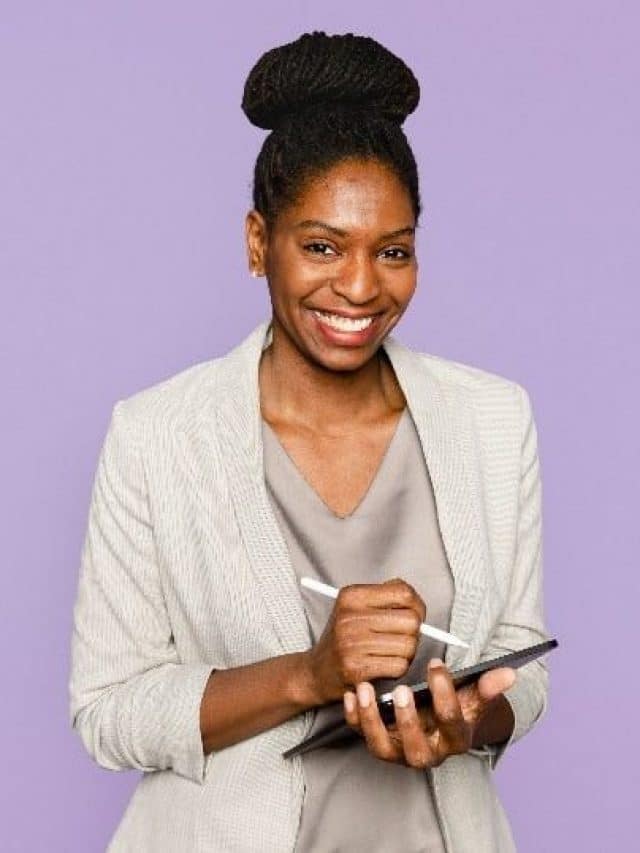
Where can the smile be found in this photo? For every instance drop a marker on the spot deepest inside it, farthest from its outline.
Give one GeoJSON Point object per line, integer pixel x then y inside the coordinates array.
{"type": "Point", "coordinates": [344, 324]}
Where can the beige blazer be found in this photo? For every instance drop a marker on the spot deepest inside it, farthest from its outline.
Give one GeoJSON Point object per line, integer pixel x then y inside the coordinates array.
{"type": "Point", "coordinates": [184, 569]}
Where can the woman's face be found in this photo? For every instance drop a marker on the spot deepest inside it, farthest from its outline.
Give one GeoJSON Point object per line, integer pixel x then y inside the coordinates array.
{"type": "Point", "coordinates": [345, 246]}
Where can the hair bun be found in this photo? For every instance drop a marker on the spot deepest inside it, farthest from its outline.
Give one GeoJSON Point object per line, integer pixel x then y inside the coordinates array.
{"type": "Point", "coordinates": [318, 70]}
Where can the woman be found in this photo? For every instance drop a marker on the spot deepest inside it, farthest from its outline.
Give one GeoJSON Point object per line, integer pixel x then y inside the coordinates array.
{"type": "Point", "coordinates": [321, 446]}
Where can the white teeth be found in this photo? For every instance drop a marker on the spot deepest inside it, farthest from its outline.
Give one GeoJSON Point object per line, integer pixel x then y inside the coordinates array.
{"type": "Point", "coordinates": [344, 324]}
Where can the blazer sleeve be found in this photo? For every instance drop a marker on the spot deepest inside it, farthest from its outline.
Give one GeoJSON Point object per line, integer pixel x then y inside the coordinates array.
{"type": "Point", "coordinates": [134, 703]}
{"type": "Point", "coordinates": [522, 620]}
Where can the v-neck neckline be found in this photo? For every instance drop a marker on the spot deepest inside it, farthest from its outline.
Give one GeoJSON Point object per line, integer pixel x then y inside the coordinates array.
{"type": "Point", "coordinates": [365, 498]}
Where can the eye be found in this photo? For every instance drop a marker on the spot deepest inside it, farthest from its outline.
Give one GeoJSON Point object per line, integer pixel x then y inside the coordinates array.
{"type": "Point", "coordinates": [403, 253]}
{"type": "Point", "coordinates": [311, 247]}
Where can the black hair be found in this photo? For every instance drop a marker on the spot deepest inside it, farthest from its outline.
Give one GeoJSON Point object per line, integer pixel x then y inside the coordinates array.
{"type": "Point", "coordinates": [327, 99]}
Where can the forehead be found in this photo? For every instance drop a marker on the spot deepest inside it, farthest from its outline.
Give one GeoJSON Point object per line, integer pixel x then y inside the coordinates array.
{"type": "Point", "coordinates": [354, 194]}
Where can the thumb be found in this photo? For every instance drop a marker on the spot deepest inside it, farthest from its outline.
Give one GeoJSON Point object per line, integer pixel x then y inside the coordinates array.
{"type": "Point", "coordinates": [496, 681]}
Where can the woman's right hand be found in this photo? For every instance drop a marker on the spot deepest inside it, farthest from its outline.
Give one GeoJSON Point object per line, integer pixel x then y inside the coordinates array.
{"type": "Point", "coordinates": [372, 632]}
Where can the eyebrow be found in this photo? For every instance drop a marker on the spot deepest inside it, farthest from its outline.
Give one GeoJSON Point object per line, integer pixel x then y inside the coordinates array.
{"type": "Point", "coordinates": [317, 223]}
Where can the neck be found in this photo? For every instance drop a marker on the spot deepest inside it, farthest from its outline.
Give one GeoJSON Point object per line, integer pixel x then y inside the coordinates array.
{"type": "Point", "coordinates": [300, 391]}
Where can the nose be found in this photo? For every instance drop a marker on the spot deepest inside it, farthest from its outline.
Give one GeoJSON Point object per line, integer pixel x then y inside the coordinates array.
{"type": "Point", "coordinates": [358, 281]}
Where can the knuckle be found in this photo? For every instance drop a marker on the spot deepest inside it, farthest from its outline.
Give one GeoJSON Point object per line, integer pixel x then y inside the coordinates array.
{"type": "Point", "coordinates": [353, 619]}
{"type": "Point", "coordinates": [416, 621]}
{"type": "Point", "coordinates": [348, 631]}
{"type": "Point", "coordinates": [340, 632]}
{"type": "Point", "coordinates": [405, 724]}
{"type": "Point", "coordinates": [422, 608]}
{"type": "Point", "coordinates": [351, 671]}
{"type": "Point", "coordinates": [415, 600]}
{"type": "Point", "coordinates": [417, 759]}
{"type": "Point", "coordinates": [403, 591]}
{"type": "Point", "coordinates": [407, 592]}
{"type": "Point", "coordinates": [344, 592]}
{"type": "Point", "coordinates": [449, 715]}
{"type": "Point", "coordinates": [347, 596]}
{"type": "Point", "coordinates": [409, 650]}
{"type": "Point", "coordinates": [399, 667]}
{"type": "Point", "coordinates": [385, 752]}
{"type": "Point", "coordinates": [346, 665]}
{"type": "Point", "coordinates": [345, 639]}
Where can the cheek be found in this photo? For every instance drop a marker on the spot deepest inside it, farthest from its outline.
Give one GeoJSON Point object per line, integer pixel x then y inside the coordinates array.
{"type": "Point", "coordinates": [402, 287]}
{"type": "Point", "coordinates": [297, 285]}
{"type": "Point", "coordinates": [288, 299]}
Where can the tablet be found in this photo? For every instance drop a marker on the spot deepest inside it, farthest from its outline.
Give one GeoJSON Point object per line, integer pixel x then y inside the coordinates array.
{"type": "Point", "coordinates": [341, 731]}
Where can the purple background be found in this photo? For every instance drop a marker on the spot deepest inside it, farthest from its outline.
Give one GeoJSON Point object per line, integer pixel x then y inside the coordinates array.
{"type": "Point", "coordinates": [125, 171]}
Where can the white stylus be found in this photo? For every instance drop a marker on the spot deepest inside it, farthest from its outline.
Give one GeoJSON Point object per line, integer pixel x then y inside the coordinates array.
{"type": "Point", "coordinates": [436, 633]}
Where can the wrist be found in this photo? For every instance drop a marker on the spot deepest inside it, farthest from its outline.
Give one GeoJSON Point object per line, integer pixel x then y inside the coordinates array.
{"type": "Point", "coordinates": [304, 692]}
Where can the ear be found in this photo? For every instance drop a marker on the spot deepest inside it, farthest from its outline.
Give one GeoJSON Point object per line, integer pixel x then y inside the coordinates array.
{"type": "Point", "coordinates": [257, 242]}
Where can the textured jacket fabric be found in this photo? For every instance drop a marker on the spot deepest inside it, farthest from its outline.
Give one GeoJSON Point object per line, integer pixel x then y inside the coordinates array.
{"type": "Point", "coordinates": [184, 569]}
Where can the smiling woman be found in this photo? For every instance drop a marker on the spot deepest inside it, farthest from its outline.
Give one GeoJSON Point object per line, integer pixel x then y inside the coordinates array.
{"type": "Point", "coordinates": [319, 446]}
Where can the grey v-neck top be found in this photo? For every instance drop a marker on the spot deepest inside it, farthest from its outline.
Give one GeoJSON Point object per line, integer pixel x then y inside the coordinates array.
{"type": "Point", "coordinates": [353, 800]}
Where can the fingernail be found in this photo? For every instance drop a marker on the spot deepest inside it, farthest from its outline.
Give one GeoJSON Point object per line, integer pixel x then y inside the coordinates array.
{"type": "Point", "coordinates": [350, 702]}
{"type": "Point", "coordinates": [401, 696]}
{"type": "Point", "coordinates": [363, 695]}
{"type": "Point", "coordinates": [435, 662]}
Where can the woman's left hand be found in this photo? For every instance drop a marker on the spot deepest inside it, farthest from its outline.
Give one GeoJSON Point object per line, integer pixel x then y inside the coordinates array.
{"type": "Point", "coordinates": [425, 737]}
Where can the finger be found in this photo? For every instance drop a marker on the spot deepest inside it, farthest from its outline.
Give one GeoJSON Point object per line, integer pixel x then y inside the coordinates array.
{"type": "Point", "coordinates": [410, 596]}
{"type": "Point", "coordinates": [447, 710]}
{"type": "Point", "coordinates": [417, 749]}
{"type": "Point", "coordinates": [399, 645]}
{"type": "Point", "coordinates": [427, 719]}
{"type": "Point", "coordinates": [376, 666]}
{"type": "Point", "coordinates": [392, 593]}
{"type": "Point", "coordinates": [351, 710]}
{"type": "Point", "coordinates": [374, 731]}
{"type": "Point", "coordinates": [395, 620]}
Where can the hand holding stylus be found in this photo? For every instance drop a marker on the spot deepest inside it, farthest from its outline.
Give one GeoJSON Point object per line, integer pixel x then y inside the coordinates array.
{"type": "Point", "coordinates": [428, 630]}
{"type": "Point", "coordinates": [372, 632]}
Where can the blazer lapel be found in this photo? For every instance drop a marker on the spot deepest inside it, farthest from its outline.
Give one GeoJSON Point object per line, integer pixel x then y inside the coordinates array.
{"type": "Point", "coordinates": [444, 423]}
{"type": "Point", "coordinates": [239, 419]}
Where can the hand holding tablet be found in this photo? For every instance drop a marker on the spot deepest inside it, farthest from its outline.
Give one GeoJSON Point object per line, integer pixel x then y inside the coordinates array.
{"type": "Point", "coordinates": [422, 698]}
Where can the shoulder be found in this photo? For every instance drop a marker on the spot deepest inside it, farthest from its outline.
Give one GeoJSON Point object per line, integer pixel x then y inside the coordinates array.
{"type": "Point", "coordinates": [496, 399]}
{"type": "Point", "coordinates": [469, 378]}
{"type": "Point", "coordinates": [174, 403]}
{"type": "Point", "coordinates": [189, 397]}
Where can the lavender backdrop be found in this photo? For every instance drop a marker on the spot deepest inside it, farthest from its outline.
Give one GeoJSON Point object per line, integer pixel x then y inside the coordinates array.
{"type": "Point", "coordinates": [125, 167]}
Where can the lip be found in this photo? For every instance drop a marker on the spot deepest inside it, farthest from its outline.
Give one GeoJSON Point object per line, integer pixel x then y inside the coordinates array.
{"type": "Point", "coordinates": [347, 339]}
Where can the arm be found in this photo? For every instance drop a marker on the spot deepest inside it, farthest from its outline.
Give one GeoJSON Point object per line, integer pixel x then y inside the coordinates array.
{"type": "Point", "coordinates": [241, 702]}
{"type": "Point", "coordinates": [132, 701]}
{"type": "Point", "coordinates": [522, 621]}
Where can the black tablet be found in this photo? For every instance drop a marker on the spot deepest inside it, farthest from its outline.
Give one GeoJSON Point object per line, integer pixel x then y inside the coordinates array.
{"type": "Point", "coordinates": [341, 731]}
